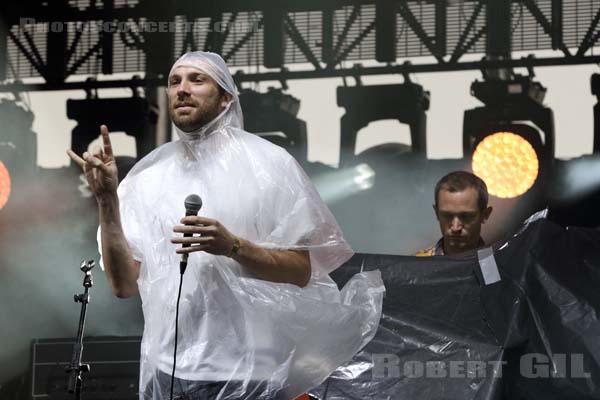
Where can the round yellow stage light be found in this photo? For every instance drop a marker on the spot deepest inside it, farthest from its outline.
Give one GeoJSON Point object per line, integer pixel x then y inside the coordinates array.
{"type": "Point", "coordinates": [507, 163]}
{"type": "Point", "coordinates": [4, 185]}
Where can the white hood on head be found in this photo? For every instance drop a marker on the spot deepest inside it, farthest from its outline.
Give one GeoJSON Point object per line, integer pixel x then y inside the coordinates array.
{"type": "Point", "coordinates": [214, 66]}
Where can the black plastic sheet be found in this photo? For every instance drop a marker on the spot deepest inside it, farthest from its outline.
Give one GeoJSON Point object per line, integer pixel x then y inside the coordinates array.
{"type": "Point", "coordinates": [445, 334]}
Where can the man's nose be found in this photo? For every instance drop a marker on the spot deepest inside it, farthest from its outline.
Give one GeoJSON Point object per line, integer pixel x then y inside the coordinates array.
{"type": "Point", "coordinates": [183, 89]}
{"type": "Point", "coordinates": [456, 225]}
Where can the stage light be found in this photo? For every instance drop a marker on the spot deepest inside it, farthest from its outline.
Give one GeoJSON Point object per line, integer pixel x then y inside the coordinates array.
{"type": "Point", "coordinates": [4, 185]}
{"type": "Point", "coordinates": [507, 163]}
{"type": "Point", "coordinates": [406, 103]}
{"type": "Point", "coordinates": [132, 115]}
{"type": "Point", "coordinates": [343, 183]}
{"type": "Point", "coordinates": [272, 116]}
{"type": "Point", "coordinates": [18, 153]}
{"type": "Point", "coordinates": [364, 177]}
{"type": "Point", "coordinates": [510, 141]}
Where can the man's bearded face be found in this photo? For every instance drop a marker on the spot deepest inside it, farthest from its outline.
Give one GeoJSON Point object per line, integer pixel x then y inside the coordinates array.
{"type": "Point", "coordinates": [195, 98]}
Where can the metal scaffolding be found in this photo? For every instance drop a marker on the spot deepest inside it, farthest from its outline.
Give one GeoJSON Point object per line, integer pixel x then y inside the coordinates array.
{"type": "Point", "coordinates": [58, 39]}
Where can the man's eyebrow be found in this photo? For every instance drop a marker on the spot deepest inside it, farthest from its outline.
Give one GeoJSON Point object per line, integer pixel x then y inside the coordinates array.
{"type": "Point", "coordinates": [192, 74]}
{"type": "Point", "coordinates": [446, 212]}
{"type": "Point", "coordinates": [198, 73]}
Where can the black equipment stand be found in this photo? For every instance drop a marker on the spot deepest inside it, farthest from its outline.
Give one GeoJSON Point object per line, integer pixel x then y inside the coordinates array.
{"type": "Point", "coordinates": [75, 369]}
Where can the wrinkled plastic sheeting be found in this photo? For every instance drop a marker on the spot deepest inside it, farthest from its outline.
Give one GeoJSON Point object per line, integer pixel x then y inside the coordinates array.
{"type": "Point", "coordinates": [257, 337]}
{"type": "Point", "coordinates": [314, 345]}
{"type": "Point", "coordinates": [441, 324]}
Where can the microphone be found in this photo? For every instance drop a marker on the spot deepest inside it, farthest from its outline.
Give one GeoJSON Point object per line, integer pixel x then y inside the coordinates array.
{"type": "Point", "coordinates": [192, 204]}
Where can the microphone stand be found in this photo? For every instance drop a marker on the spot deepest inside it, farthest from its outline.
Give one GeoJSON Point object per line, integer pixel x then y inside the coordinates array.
{"type": "Point", "coordinates": [75, 369]}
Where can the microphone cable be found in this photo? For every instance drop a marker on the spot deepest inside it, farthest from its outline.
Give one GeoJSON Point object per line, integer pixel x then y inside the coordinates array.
{"type": "Point", "coordinates": [192, 204]}
{"type": "Point", "coordinates": [176, 333]}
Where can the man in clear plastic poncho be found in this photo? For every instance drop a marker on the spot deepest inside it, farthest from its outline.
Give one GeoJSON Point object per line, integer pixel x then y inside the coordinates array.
{"type": "Point", "coordinates": [259, 317]}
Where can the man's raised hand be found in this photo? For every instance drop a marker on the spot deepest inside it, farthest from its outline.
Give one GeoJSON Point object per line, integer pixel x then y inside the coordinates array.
{"type": "Point", "coordinates": [100, 168]}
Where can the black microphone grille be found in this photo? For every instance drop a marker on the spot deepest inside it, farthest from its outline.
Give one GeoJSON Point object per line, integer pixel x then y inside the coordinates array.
{"type": "Point", "coordinates": [193, 203]}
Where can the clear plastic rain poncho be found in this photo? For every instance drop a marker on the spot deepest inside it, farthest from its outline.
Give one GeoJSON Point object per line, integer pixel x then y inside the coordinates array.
{"type": "Point", "coordinates": [239, 337]}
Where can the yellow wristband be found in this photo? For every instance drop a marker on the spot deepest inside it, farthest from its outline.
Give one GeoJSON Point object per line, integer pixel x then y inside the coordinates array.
{"type": "Point", "coordinates": [234, 248]}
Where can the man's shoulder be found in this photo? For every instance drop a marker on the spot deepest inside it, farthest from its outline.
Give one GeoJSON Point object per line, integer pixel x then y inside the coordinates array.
{"type": "Point", "coordinates": [262, 145]}
{"type": "Point", "coordinates": [435, 250]}
{"type": "Point", "coordinates": [428, 252]}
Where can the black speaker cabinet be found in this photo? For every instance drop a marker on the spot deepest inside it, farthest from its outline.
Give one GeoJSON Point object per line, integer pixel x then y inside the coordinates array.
{"type": "Point", "coordinates": [114, 368]}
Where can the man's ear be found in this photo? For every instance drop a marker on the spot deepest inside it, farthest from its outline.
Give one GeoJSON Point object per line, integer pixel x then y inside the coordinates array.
{"type": "Point", "coordinates": [486, 214]}
{"type": "Point", "coordinates": [226, 99]}
{"type": "Point", "coordinates": [435, 211]}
